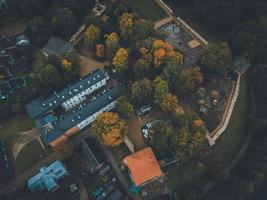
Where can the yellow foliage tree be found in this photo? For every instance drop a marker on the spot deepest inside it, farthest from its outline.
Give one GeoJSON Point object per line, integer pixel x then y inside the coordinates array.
{"type": "Point", "coordinates": [120, 60]}
{"type": "Point", "coordinates": [91, 35]}
{"type": "Point", "coordinates": [67, 65]}
{"type": "Point", "coordinates": [112, 43]}
{"type": "Point", "coordinates": [126, 22]}
{"type": "Point", "coordinates": [168, 102]}
{"type": "Point", "coordinates": [110, 129]}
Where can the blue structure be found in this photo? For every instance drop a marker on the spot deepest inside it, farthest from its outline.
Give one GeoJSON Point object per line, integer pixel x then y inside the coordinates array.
{"type": "Point", "coordinates": [5, 166]}
{"type": "Point", "coordinates": [48, 177]}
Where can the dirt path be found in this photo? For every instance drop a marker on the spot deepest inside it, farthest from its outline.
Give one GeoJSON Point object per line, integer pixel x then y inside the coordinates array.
{"type": "Point", "coordinates": [23, 139]}
{"type": "Point", "coordinates": [88, 65]}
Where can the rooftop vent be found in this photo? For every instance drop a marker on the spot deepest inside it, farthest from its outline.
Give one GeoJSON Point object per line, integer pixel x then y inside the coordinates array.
{"type": "Point", "coordinates": [70, 92]}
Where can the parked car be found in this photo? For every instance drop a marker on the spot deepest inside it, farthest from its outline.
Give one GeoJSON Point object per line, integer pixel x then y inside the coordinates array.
{"type": "Point", "coordinates": [110, 69]}
{"type": "Point", "coordinates": [143, 110]}
{"type": "Point", "coordinates": [147, 126]}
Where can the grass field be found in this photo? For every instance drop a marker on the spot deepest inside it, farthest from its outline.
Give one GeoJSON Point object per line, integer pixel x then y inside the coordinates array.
{"type": "Point", "coordinates": [30, 155]}
{"type": "Point", "coordinates": [229, 143]}
{"type": "Point", "coordinates": [147, 9]}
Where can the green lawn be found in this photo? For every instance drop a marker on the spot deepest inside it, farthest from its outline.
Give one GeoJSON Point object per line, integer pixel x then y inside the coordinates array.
{"type": "Point", "coordinates": [228, 144]}
{"type": "Point", "coordinates": [30, 155]}
{"type": "Point", "coordinates": [147, 9]}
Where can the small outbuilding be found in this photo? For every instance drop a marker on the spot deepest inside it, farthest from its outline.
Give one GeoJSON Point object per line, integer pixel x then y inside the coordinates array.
{"type": "Point", "coordinates": [143, 167]}
{"type": "Point", "coordinates": [56, 46]}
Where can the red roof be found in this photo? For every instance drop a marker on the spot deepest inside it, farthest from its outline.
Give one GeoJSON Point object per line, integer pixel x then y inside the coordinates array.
{"type": "Point", "coordinates": [143, 166]}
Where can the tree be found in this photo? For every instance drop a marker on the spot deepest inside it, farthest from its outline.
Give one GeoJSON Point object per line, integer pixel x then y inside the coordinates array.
{"type": "Point", "coordinates": [48, 79]}
{"type": "Point", "coordinates": [31, 8]}
{"type": "Point", "coordinates": [63, 22]}
{"type": "Point", "coordinates": [120, 61]}
{"type": "Point", "coordinates": [112, 43]}
{"type": "Point", "coordinates": [215, 60]}
{"type": "Point", "coordinates": [109, 129]}
{"type": "Point", "coordinates": [186, 143]}
{"type": "Point", "coordinates": [92, 36]}
{"type": "Point", "coordinates": [168, 102]}
{"type": "Point", "coordinates": [64, 150]}
{"type": "Point", "coordinates": [142, 91]}
{"type": "Point", "coordinates": [159, 136]}
{"type": "Point", "coordinates": [190, 79]}
{"type": "Point", "coordinates": [126, 22]}
{"type": "Point", "coordinates": [161, 89]}
{"type": "Point", "coordinates": [141, 67]}
{"type": "Point", "coordinates": [124, 107]}
{"type": "Point", "coordinates": [38, 31]}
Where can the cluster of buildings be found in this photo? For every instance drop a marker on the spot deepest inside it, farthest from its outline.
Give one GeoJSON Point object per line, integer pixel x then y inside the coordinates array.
{"type": "Point", "coordinates": [65, 113]}
{"type": "Point", "coordinates": [9, 83]}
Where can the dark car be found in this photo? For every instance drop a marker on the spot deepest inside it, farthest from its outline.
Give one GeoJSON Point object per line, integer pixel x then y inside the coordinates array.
{"type": "Point", "coordinates": [143, 110]}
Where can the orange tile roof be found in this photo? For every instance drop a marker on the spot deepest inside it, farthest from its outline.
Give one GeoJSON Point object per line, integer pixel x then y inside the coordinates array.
{"type": "Point", "coordinates": [143, 166]}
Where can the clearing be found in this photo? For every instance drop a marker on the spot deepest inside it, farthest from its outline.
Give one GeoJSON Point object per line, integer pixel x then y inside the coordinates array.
{"type": "Point", "coordinates": [154, 12]}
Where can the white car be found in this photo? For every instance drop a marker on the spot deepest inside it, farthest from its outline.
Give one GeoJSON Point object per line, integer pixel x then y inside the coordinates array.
{"type": "Point", "coordinates": [147, 126]}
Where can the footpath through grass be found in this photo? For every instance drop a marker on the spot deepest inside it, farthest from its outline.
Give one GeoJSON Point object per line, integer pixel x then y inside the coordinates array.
{"type": "Point", "coordinates": [32, 153]}
{"type": "Point", "coordinates": [148, 9]}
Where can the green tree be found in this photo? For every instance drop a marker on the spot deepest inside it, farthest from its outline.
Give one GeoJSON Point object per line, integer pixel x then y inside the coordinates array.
{"type": "Point", "coordinates": [124, 107]}
{"type": "Point", "coordinates": [190, 79]}
{"type": "Point", "coordinates": [48, 79]}
{"type": "Point", "coordinates": [142, 91]}
{"type": "Point", "coordinates": [159, 137]}
{"type": "Point", "coordinates": [161, 89]}
{"type": "Point", "coordinates": [63, 22]}
{"type": "Point", "coordinates": [141, 68]}
{"type": "Point", "coordinates": [215, 60]}
{"type": "Point", "coordinates": [38, 31]}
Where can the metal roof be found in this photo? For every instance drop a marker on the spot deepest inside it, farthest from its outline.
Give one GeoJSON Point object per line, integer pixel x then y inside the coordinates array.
{"type": "Point", "coordinates": [77, 115]}
{"type": "Point", "coordinates": [40, 105]}
{"type": "Point", "coordinates": [56, 46]}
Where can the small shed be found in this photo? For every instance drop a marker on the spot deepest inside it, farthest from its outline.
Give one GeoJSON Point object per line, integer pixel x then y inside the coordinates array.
{"type": "Point", "coordinates": [56, 46]}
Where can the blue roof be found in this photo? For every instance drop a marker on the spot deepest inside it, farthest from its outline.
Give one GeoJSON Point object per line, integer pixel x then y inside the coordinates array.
{"type": "Point", "coordinates": [47, 178]}
{"type": "Point", "coordinates": [40, 105]}
{"type": "Point", "coordinates": [75, 116]}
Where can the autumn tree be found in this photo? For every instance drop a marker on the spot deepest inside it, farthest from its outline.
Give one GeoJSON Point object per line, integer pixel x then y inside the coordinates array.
{"type": "Point", "coordinates": [64, 150]}
{"type": "Point", "coordinates": [215, 60]}
{"type": "Point", "coordinates": [124, 107]}
{"type": "Point", "coordinates": [92, 36]}
{"type": "Point", "coordinates": [142, 91]}
{"type": "Point", "coordinates": [110, 129]}
{"type": "Point", "coordinates": [126, 22]}
{"type": "Point", "coordinates": [159, 137]}
{"type": "Point", "coordinates": [190, 79]}
{"type": "Point", "coordinates": [168, 102]}
{"type": "Point", "coordinates": [161, 89]}
{"type": "Point", "coordinates": [112, 43]}
{"type": "Point", "coordinates": [120, 61]}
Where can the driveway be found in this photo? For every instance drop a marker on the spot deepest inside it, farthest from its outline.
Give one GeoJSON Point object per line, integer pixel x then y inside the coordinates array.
{"type": "Point", "coordinates": [135, 123]}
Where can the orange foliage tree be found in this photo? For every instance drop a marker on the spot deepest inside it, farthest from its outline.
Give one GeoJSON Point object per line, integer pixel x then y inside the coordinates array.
{"type": "Point", "coordinates": [110, 129]}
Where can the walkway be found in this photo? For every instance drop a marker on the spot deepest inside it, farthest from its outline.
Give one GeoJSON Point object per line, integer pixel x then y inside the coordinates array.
{"type": "Point", "coordinates": [212, 137]}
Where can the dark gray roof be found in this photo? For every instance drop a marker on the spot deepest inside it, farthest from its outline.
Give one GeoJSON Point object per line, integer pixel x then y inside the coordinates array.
{"type": "Point", "coordinates": [40, 105]}
{"type": "Point", "coordinates": [56, 46]}
{"type": "Point", "coordinates": [241, 64]}
{"type": "Point", "coordinates": [78, 114]}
